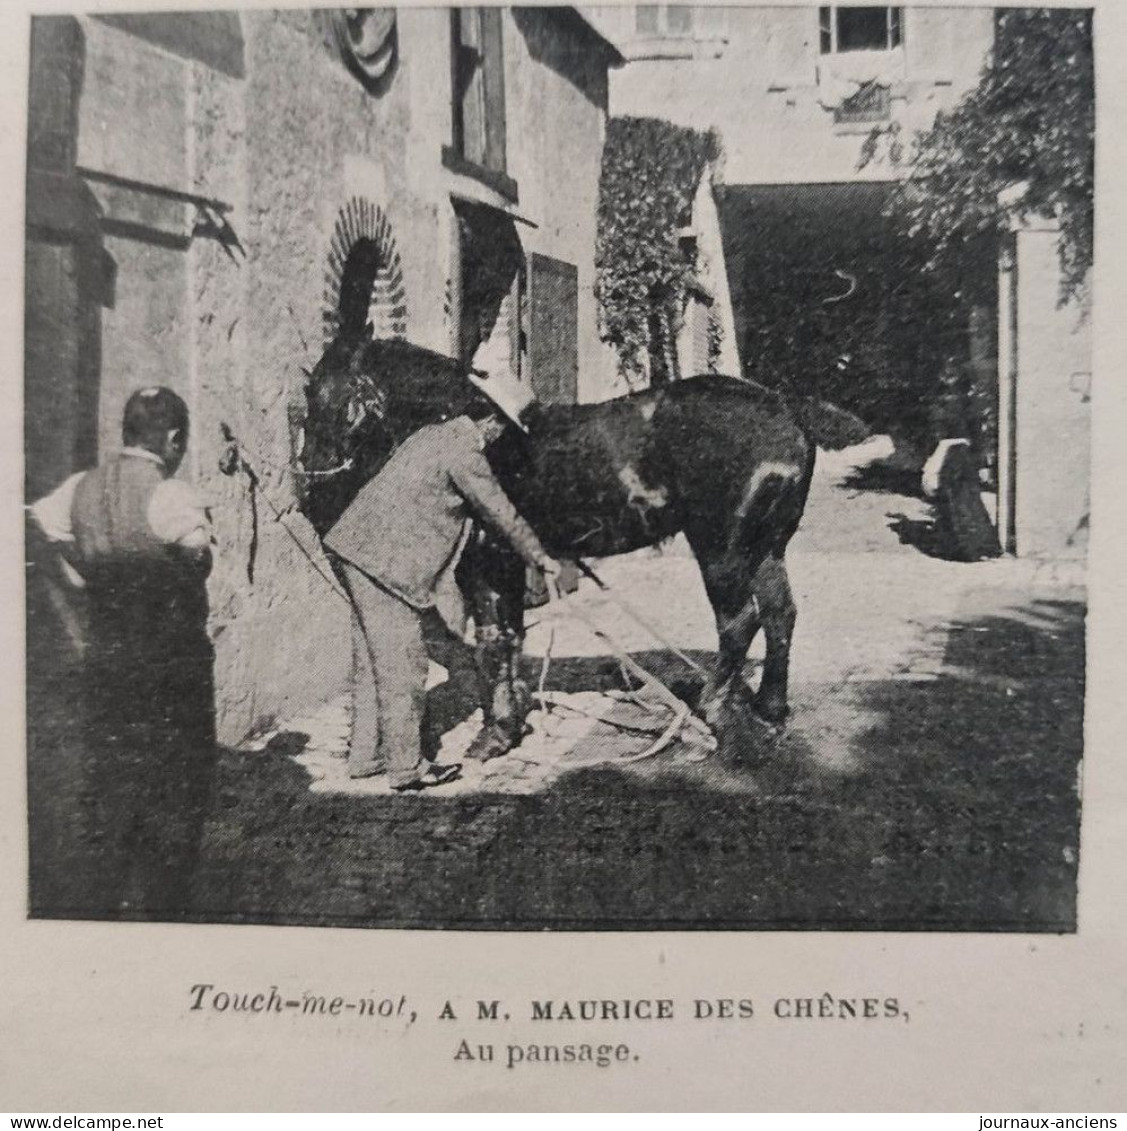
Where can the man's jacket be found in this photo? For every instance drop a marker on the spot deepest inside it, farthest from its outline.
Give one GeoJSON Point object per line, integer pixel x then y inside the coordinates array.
{"type": "Point", "coordinates": [409, 522]}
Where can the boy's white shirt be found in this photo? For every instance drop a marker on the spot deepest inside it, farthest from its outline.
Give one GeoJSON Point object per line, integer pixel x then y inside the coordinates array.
{"type": "Point", "coordinates": [177, 512]}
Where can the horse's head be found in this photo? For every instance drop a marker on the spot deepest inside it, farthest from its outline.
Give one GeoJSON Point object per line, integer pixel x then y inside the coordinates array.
{"type": "Point", "coordinates": [344, 436]}
{"type": "Point", "coordinates": [363, 398]}
{"type": "Point", "coordinates": [331, 404]}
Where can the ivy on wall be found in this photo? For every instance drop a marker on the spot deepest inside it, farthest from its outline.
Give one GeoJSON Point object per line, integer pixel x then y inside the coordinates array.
{"type": "Point", "coordinates": [1020, 144]}
{"type": "Point", "coordinates": [650, 173]}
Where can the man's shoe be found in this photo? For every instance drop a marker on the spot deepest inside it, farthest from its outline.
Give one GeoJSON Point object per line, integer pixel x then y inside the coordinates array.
{"type": "Point", "coordinates": [432, 776]}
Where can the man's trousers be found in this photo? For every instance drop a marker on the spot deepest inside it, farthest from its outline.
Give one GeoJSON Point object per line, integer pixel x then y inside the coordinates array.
{"type": "Point", "coordinates": [390, 662]}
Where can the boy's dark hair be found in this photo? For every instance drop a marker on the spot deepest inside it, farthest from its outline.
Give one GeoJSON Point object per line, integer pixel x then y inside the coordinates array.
{"type": "Point", "coordinates": [150, 414]}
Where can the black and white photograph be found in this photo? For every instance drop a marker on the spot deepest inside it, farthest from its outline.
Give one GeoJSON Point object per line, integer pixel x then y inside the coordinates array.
{"type": "Point", "coordinates": [559, 468]}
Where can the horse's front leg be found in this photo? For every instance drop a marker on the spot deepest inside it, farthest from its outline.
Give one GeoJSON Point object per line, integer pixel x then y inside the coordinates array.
{"type": "Point", "coordinates": [494, 580]}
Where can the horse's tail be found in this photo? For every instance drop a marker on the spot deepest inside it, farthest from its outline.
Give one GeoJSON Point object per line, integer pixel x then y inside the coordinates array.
{"type": "Point", "coordinates": [828, 425]}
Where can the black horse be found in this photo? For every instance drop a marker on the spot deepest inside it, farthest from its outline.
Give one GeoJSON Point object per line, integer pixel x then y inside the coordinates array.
{"type": "Point", "coordinates": [721, 459]}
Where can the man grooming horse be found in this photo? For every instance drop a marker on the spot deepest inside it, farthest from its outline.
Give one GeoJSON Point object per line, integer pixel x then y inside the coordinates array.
{"type": "Point", "coordinates": [398, 543]}
{"type": "Point", "coordinates": [723, 460]}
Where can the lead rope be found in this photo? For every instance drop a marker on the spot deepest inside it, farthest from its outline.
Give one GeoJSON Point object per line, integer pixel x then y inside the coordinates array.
{"type": "Point", "coordinates": [250, 470]}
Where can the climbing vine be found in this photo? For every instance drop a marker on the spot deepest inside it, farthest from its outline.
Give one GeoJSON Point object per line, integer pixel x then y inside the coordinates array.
{"type": "Point", "coordinates": [651, 170]}
{"type": "Point", "coordinates": [1020, 144]}
{"type": "Point", "coordinates": [715, 339]}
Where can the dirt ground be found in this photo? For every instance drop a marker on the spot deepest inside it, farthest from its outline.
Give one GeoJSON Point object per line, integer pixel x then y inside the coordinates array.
{"type": "Point", "coordinates": [927, 779]}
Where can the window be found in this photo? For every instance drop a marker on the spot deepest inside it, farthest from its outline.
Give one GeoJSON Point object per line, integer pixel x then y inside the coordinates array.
{"type": "Point", "coordinates": [859, 29]}
{"type": "Point", "coordinates": [479, 88]}
{"type": "Point", "coordinates": [664, 20]}
{"type": "Point", "coordinates": [488, 285]}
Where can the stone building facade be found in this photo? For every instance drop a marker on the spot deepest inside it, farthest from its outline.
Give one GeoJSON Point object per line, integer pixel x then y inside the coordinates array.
{"type": "Point", "coordinates": [212, 195]}
{"type": "Point", "coordinates": [794, 92]}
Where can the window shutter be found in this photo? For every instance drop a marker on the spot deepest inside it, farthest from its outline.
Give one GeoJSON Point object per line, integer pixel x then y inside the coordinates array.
{"type": "Point", "coordinates": [553, 316]}
{"type": "Point", "coordinates": [66, 275]}
{"type": "Point", "coordinates": [493, 83]}
{"type": "Point", "coordinates": [469, 102]}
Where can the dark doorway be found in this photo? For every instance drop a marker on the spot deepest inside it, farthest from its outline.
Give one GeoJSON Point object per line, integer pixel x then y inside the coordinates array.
{"type": "Point", "coordinates": [832, 300]}
{"type": "Point", "coordinates": [491, 266]}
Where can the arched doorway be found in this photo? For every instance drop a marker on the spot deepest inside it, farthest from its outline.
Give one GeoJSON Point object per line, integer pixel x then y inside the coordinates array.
{"type": "Point", "coordinates": [364, 283]}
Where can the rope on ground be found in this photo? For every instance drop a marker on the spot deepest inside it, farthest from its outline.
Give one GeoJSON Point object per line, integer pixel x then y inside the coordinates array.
{"type": "Point", "coordinates": [616, 724]}
{"type": "Point", "coordinates": [632, 612]}
{"type": "Point", "coordinates": [683, 717]}
{"type": "Point", "coordinates": [664, 740]}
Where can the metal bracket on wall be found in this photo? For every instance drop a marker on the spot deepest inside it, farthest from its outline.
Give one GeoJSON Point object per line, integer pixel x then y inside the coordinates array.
{"type": "Point", "coordinates": [210, 219]}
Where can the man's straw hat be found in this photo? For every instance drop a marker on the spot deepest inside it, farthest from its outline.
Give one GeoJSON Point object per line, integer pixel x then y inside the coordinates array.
{"type": "Point", "coordinates": [499, 384]}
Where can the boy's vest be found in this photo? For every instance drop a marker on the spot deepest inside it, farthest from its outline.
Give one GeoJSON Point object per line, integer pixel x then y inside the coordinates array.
{"type": "Point", "coordinates": [110, 512]}
{"type": "Point", "coordinates": [139, 587]}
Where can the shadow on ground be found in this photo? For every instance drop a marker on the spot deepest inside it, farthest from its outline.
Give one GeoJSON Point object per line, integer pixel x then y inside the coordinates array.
{"type": "Point", "coordinates": [924, 534]}
{"type": "Point", "coordinates": [960, 814]}
{"type": "Point", "coordinates": [956, 811]}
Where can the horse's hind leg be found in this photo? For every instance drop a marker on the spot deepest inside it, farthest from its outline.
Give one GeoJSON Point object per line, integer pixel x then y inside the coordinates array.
{"type": "Point", "coordinates": [729, 584]}
{"type": "Point", "coordinates": [776, 608]}
{"type": "Point", "coordinates": [746, 597]}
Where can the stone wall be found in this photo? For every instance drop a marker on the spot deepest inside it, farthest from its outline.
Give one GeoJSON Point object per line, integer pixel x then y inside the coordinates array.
{"type": "Point", "coordinates": [146, 322]}
{"type": "Point", "coordinates": [556, 113]}
{"type": "Point", "coordinates": [1051, 378]}
{"type": "Point", "coordinates": [230, 302]}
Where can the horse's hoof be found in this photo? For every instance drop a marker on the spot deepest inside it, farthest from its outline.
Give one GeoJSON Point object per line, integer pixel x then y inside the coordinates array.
{"type": "Point", "coordinates": [490, 742]}
{"type": "Point", "coordinates": [766, 726]}
{"type": "Point", "coordinates": [772, 711]}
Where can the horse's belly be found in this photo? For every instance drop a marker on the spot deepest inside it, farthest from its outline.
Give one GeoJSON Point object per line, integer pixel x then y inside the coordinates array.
{"type": "Point", "coordinates": [591, 490]}
{"type": "Point", "coordinates": [618, 535]}
{"type": "Point", "coordinates": [603, 523]}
